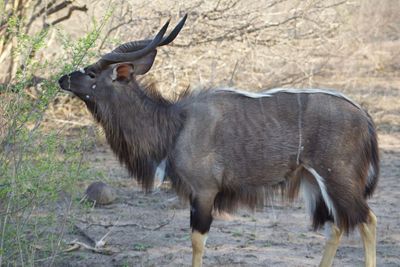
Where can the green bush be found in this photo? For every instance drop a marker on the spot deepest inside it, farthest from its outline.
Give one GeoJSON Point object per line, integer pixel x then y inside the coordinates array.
{"type": "Point", "coordinates": [38, 165]}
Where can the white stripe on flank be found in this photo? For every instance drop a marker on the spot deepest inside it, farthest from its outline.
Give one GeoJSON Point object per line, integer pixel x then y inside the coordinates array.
{"type": "Point", "coordinates": [321, 183]}
{"type": "Point", "coordinates": [300, 147]}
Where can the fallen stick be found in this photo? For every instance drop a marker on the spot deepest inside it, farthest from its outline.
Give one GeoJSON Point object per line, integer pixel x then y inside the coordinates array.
{"type": "Point", "coordinates": [80, 231]}
{"type": "Point", "coordinates": [75, 245]}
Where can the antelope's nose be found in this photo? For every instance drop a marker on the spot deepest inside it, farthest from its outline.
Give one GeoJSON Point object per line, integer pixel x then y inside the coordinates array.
{"type": "Point", "coordinates": [62, 82]}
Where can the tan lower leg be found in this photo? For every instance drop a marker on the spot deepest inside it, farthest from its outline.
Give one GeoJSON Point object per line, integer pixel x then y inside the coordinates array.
{"type": "Point", "coordinates": [368, 235]}
{"type": "Point", "coordinates": [198, 243]}
{"type": "Point", "coordinates": [331, 246]}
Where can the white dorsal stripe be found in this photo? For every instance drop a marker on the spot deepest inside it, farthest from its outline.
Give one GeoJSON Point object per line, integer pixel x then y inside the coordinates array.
{"type": "Point", "coordinates": [271, 92]}
{"type": "Point", "coordinates": [312, 91]}
{"type": "Point", "coordinates": [245, 93]}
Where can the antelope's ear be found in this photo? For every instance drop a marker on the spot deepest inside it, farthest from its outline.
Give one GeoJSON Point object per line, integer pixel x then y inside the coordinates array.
{"type": "Point", "coordinates": [143, 64]}
{"type": "Point", "coordinates": [122, 72]}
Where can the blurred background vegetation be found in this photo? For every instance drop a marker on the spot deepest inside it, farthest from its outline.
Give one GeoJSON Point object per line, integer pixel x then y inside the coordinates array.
{"type": "Point", "coordinates": [350, 46]}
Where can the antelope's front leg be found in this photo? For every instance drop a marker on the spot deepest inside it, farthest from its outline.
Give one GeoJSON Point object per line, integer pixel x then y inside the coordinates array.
{"type": "Point", "coordinates": [198, 244]}
{"type": "Point", "coordinates": [200, 222]}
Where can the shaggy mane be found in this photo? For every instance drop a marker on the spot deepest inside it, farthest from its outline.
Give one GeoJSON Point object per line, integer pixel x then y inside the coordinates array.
{"type": "Point", "coordinates": [129, 118]}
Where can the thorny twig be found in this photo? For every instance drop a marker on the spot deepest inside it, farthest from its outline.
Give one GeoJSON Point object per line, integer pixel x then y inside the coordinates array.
{"type": "Point", "coordinates": [99, 246]}
{"type": "Point", "coordinates": [106, 225]}
{"type": "Point", "coordinates": [83, 233]}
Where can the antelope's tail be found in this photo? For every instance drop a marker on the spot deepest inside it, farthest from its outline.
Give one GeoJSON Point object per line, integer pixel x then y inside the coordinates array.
{"type": "Point", "coordinates": [372, 154]}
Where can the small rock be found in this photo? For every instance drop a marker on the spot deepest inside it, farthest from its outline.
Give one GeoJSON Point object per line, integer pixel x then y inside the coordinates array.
{"type": "Point", "coordinates": [101, 193]}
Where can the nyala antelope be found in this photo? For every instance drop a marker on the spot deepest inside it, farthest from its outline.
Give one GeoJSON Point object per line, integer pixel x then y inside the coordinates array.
{"type": "Point", "coordinates": [223, 147]}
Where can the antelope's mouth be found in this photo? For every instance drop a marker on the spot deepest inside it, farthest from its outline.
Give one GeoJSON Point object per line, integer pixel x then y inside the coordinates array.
{"type": "Point", "coordinates": [64, 83]}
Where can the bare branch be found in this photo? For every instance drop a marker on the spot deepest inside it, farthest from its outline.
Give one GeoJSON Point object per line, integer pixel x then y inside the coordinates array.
{"type": "Point", "coordinates": [58, 7]}
{"type": "Point", "coordinates": [70, 11]}
{"type": "Point", "coordinates": [332, 5]}
{"type": "Point", "coordinates": [40, 12]}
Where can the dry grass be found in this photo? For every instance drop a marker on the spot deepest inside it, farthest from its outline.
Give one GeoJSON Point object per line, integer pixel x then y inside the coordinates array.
{"type": "Point", "coordinates": [351, 46]}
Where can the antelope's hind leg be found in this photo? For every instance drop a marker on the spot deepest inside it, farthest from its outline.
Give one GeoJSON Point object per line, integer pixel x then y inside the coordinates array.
{"type": "Point", "coordinates": [331, 246]}
{"type": "Point", "coordinates": [317, 207]}
{"type": "Point", "coordinates": [368, 235]}
{"type": "Point", "coordinates": [200, 222]}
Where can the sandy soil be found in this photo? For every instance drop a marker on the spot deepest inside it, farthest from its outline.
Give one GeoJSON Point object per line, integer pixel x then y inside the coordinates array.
{"type": "Point", "coordinates": [153, 229]}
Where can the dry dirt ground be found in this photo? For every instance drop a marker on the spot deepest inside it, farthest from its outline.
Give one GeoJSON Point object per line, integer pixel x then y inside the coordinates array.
{"type": "Point", "coordinates": [153, 229]}
{"type": "Point", "coordinates": [362, 61]}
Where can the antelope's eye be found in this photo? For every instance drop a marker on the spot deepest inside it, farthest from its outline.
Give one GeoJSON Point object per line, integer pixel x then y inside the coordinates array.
{"type": "Point", "coordinates": [91, 74]}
